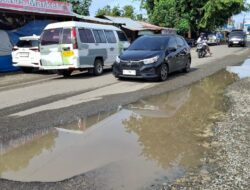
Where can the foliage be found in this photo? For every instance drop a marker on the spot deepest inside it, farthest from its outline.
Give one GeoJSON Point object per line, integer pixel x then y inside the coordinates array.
{"type": "Point", "coordinates": [80, 7]}
{"type": "Point", "coordinates": [126, 11]}
{"type": "Point", "coordinates": [192, 15]}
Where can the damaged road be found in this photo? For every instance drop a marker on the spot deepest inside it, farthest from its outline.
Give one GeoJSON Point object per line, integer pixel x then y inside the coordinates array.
{"type": "Point", "coordinates": [69, 102]}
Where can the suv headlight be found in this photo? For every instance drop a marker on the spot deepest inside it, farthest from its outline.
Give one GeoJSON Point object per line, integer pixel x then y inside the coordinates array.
{"type": "Point", "coordinates": [117, 59]}
{"type": "Point", "coordinates": [151, 60]}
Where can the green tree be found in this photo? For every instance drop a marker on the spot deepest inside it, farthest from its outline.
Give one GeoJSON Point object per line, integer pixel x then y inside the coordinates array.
{"type": "Point", "coordinates": [192, 15]}
{"type": "Point", "coordinates": [80, 7]}
{"type": "Point", "coordinates": [128, 11]}
{"type": "Point", "coordinates": [104, 11]}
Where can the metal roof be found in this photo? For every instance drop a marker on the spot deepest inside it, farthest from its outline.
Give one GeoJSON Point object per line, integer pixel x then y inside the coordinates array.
{"type": "Point", "coordinates": [93, 19]}
{"type": "Point", "coordinates": [133, 25]}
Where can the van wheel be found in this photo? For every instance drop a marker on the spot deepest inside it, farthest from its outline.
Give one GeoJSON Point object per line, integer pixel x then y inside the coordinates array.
{"type": "Point", "coordinates": [65, 73]}
{"type": "Point", "coordinates": [98, 67]}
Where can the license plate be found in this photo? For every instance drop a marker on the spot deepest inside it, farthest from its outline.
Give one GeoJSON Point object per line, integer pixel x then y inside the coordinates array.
{"type": "Point", "coordinates": [235, 42]}
{"type": "Point", "coordinates": [24, 54]}
{"type": "Point", "coordinates": [129, 72]}
{"type": "Point", "coordinates": [68, 53]}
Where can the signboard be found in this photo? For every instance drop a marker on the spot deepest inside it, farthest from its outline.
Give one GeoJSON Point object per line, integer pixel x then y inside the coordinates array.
{"type": "Point", "coordinates": [38, 6]}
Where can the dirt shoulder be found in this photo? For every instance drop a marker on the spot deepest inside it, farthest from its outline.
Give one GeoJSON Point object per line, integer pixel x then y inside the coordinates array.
{"type": "Point", "coordinates": [228, 161]}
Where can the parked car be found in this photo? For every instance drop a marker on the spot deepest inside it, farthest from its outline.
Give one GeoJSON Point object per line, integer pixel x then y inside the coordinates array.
{"type": "Point", "coordinates": [238, 38]}
{"type": "Point", "coordinates": [153, 56]}
{"type": "Point", "coordinates": [69, 46]}
{"type": "Point", "coordinates": [213, 39]}
{"type": "Point", "coordinates": [25, 54]}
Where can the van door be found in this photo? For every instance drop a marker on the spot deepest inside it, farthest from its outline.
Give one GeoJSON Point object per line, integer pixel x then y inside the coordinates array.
{"type": "Point", "coordinates": [86, 45]}
{"type": "Point", "coordinates": [69, 46]}
{"type": "Point", "coordinates": [113, 47]}
{"type": "Point", "coordinates": [50, 47]}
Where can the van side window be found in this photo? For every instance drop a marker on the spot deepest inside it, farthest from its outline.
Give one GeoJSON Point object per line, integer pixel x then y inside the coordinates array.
{"type": "Point", "coordinates": [99, 36]}
{"type": "Point", "coordinates": [110, 36]}
{"type": "Point", "coordinates": [66, 39]}
{"type": "Point", "coordinates": [51, 36]}
{"type": "Point", "coordinates": [122, 37]}
{"type": "Point", "coordinates": [86, 35]}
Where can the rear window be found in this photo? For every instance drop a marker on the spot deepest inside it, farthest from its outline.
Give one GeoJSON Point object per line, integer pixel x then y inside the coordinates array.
{"type": "Point", "coordinates": [110, 36]}
{"type": "Point", "coordinates": [51, 36]}
{"type": "Point", "coordinates": [86, 36]}
{"type": "Point", "coordinates": [66, 36]}
{"type": "Point", "coordinates": [27, 43]}
{"type": "Point", "coordinates": [122, 37]}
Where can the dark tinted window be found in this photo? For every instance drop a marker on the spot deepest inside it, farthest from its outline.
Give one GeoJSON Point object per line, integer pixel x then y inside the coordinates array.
{"type": "Point", "coordinates": [237, 33]}
{"type": "Point", "coordinates": [99, 36]}
{"type": "Point", "coordinates": [51, 36]}
{"type": "Point", "coordinates": [110, 36]}
{"type": "Point", "coordinates": [27, 43]}
{"type": "Point", "coordinates": [86, 36]}
{"type": "Point", "coordinates": [66, 36]}
{"type": "Point", "coordinates": [172, 43]}
{"type": "Point", "coordinates": [180, 42]}
{"type": "Point", "coordinates": [149, 43]}
{"type": "Point", "coordinates": [122, 37]}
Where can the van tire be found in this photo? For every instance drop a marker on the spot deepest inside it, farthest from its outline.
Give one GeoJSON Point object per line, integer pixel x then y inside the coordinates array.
{"type": "Point", "coordinates": [65, 73]}
{"type": "Point", "coordinates": [98, 67]}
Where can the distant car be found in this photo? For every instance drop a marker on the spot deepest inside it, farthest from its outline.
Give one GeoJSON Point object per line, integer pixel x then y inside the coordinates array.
{"type": "Point", "coordinates": [237, 38]}
{"type": "Point", "coordinates": [153, 57]}
{"type": "Point", "coordinates": [25, 54]}
{"type": "Point", "coordinates": [213, 39]}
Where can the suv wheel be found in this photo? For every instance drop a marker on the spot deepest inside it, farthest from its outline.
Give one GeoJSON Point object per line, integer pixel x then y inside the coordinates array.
{"type": "Point", "coordinates": [98, 67]}
{"type": "Point", "coordinates": [187, 67]}
{"type": "Point", "coordinates": [27, 69]}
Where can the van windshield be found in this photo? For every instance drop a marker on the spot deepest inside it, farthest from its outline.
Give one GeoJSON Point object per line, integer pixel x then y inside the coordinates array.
{"type": "Point", "coordinates": [51, 36]}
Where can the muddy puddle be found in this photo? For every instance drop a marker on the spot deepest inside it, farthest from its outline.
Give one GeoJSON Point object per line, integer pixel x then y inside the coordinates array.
{"type": "Point", "coordinates": [156, 139]}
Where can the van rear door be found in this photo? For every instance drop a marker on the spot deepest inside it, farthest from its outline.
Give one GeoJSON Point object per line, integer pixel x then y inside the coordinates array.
{"type": "Point", "coordinates": [50, 47]}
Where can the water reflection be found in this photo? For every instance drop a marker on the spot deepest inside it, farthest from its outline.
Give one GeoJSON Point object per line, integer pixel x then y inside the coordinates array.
{"type": "Point", "coordinates": [18, 157]}
{"type": "Point", "coordinates": [174, 124]}
{"type": "Point", "coordinates": [158, 136]}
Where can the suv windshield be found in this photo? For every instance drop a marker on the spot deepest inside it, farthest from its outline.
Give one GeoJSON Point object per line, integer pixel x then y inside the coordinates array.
{"type": "Point", "coordinates": [238, 33]}
{"type": "Point", "coordinates": [151, 43]}
{"type": "Point", "coordinates": [27, 43]}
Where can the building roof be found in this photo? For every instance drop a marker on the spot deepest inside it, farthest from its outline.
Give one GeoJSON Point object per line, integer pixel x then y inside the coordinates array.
{"type": "Point", "coordinates": [93, 19]}
{"type": "Point", "coordinates": [133, 25]}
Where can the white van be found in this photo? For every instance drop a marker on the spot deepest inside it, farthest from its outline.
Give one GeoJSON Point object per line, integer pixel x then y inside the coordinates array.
{"type": "Point", "coordinates": [69, 46]}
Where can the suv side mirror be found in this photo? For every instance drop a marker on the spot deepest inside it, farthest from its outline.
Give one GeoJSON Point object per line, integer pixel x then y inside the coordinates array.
{"type": "Point", "coordinates": [171, 49]}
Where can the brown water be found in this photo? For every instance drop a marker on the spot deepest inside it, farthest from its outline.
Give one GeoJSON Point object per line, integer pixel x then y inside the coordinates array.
{"type": "Point", "coordinates": [157, 138]}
